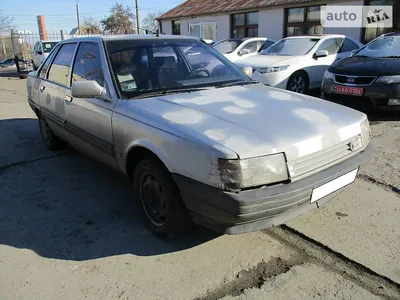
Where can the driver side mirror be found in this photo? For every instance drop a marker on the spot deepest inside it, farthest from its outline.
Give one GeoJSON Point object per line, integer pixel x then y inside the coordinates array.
{"type": "Point", "coordinates": [39, 52]}
{"type": "Point", "coordinates": [321, 53]}
{"type": "Point", "coordinates": [89, 89]}
{"type": "Point", "coordinates": [244, 52]}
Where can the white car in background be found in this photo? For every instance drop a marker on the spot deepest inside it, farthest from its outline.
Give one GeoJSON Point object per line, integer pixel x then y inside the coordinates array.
{"type": "Point", "coordinates": [41, 51]}
{"type": "Point", "coordinates": [235, 49]}
{"type": "Point", "coordinates": [298, 63]}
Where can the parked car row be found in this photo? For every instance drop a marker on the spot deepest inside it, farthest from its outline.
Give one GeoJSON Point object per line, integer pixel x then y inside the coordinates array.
{"type": "Point", "coordinates": [349, 72]}
{"type": "Point", "coordinates": [295, 63]}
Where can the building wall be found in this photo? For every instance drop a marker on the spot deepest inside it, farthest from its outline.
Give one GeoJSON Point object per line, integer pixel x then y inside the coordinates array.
{"type": "Point", "coordinates": [271, 23]}
{"type": "Point", "coordinates": [166, 26]}
{"type": "Point", "coordinates": [222, 23]}
{"type": "Point", "coordinates": [355, 33]}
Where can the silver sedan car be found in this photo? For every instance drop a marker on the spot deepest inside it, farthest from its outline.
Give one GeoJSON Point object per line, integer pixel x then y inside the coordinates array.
{"type": "Point", "coordinates": [200, 141]}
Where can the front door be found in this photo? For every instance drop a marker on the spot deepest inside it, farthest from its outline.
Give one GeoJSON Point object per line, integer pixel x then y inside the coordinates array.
{"type": "Point", "coordinates": [54, 86]}
{"type": "Point", "coordinates": [322, 64]}
{"type": "Point", "coordinates": [88, 120]}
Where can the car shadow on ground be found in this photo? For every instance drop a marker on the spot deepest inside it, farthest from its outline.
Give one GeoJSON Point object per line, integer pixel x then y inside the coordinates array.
{"type": "Point", "coordinates": [66, 206]}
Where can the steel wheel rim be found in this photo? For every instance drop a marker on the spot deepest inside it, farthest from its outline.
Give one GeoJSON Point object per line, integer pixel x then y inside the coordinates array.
{"type": "Point", "coordinates": [298, 84]}
{"type": "Point", "coordinates": [152, 199]}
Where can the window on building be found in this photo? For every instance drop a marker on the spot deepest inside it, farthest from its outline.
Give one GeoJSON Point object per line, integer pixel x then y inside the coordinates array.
{"type": "Point", "coordinates": [176, 27]}
{"type": "Point", "coordinates": [206, 31]}
{"type": "Point", "coordinates": [60, 67]}
{"type": "Point", "coordinates": [244, 25]}
{"type": "Point", "coordinates": [303, 20]}
{"type": "Point", "coordinates": [87, 64]}
{"type": "Point", "coordinates": [371, 33]}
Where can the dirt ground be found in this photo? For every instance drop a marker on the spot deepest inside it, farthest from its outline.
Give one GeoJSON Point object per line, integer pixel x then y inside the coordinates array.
{"type": "Point", "coordinates": [69, 229]}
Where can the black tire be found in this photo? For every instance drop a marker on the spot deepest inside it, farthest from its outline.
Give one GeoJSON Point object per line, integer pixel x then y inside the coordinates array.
{"type": "Point", "coordinates": [163, 210]}
{"type": "Point", "coordinates": [51, 141]}
{"type": "Point", "coordinates": [298, 82]}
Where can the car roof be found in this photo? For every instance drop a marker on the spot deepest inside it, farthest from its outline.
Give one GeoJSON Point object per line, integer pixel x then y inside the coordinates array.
{"type": "Point", "coordinates": [129, 37]}
{"type": "Point", "coordinates": [50, 41]}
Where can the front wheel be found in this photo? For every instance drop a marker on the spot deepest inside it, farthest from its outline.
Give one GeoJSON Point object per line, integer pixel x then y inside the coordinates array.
{"type": "Point", "coordinates": [298, 83]}
{"type": "Point", "coordinates": [163, 209]}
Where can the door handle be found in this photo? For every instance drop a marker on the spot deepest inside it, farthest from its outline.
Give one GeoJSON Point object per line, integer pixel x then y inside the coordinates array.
{"type": "Point", "coordinates": [42, 88]}
{"type": "Point", "coordinates": [68, 98]}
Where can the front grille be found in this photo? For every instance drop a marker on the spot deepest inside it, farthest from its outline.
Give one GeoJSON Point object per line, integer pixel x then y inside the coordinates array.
{"type": "Point", "coordinates": [323, 159]}
{"type": "Point", "coordinates": [354, 80]}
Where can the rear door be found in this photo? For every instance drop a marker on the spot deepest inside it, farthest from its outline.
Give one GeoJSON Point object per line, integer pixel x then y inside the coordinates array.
{"type": "Point", "coordinates": [89, 119]}
{"type": "Point", "coordinates": [54, 87]}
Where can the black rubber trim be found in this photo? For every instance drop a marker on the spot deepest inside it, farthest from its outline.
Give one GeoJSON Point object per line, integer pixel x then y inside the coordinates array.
{"type": "Point", "coordinates": [91, 139]}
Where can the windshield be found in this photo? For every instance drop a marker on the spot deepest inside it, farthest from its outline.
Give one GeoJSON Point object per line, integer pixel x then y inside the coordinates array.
{"type": "Point", "coordinates": [291, 47]}
{"type": "Point", "coordinates": [227, 46]}
{"type": "Point", "coordinates": [387, 46]}
{"type": "Point", "coordinates": [148, 66]}
{"type": "Point", "coordinates": [48, 46]}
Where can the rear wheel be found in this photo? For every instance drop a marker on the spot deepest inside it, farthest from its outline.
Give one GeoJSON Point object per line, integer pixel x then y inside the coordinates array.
{"type": "Point", "coordinates": [298, 83]}
{"type": "Point", "coordinates": [51, 141]}
{"type": "Point", "coordinates": [163, 210]}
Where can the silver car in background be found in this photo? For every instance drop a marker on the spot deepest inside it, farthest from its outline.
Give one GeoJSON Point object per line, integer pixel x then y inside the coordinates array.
{"type": "Point", "coordinates": [200, 141]}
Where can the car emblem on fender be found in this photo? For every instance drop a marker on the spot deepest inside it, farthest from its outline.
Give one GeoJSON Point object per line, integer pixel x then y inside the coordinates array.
{"type": "Point", "coordinates": [351, 80]}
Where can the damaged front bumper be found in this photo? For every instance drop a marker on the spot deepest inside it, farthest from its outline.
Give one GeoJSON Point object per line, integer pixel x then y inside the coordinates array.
{"type": "Point", "coordinates": [261, 208]}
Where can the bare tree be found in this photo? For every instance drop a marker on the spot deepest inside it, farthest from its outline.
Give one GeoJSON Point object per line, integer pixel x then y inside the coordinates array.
{"type": "Point", "coordinates": [6, 24]}
{"type": "Point", "coordinates": [90, 26]}
{"type": "Point", "coordinates": [150, 23]}
{"type": "Point", "coordinates": [120, 21]}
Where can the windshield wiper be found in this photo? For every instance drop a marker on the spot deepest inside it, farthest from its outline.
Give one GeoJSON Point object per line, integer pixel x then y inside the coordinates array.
{"type": "Point", "coordinates": [241, 82]}
{"type": "Point", "coordinates": [362, 56]}
{"type": "Point", "coordinates": [149, 94]}
{"type": "Point", "coordinates": [392, 56]}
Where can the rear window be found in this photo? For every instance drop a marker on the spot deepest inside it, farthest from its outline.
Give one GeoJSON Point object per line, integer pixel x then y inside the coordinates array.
{"type": "Point", "coordinates": [48, 46]}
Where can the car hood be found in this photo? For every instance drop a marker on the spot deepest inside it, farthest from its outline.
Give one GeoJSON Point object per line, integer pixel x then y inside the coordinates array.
{"type": "Point", "coordinates": [365, 66]}
{"type": "Point", "coordinates": [263, 61]}
{"type": "Point", "coordinates": [255, 120]}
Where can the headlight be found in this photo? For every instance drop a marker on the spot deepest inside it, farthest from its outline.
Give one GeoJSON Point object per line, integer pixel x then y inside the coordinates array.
{"type": "Point", "coordinates": [388, 79]}
{"type": "Point", "coordinates": [272, 69]}
{"type": "Point", "coordinates": [244, 173]}
{"type": "Point", "coordinates": [365, 132]}
{"type": "Point", "coordinates": [329, 75]}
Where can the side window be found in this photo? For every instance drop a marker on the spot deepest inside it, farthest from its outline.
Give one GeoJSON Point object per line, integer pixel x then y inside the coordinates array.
{"type": "Point", "coordinates": [251, 46]}
{"type": "Point", "coordinates": [87, 64]}
{"type": "Point", "coordinates": [266, 45]}
{"type": "Point", "coordinates": [331, 45]}
{"type": "Point", "coordinates": [348, 46]}
{"type": "Point", "coordinates": [43, 70]}
{"type": "Point", "coordinates": [60, 67]}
